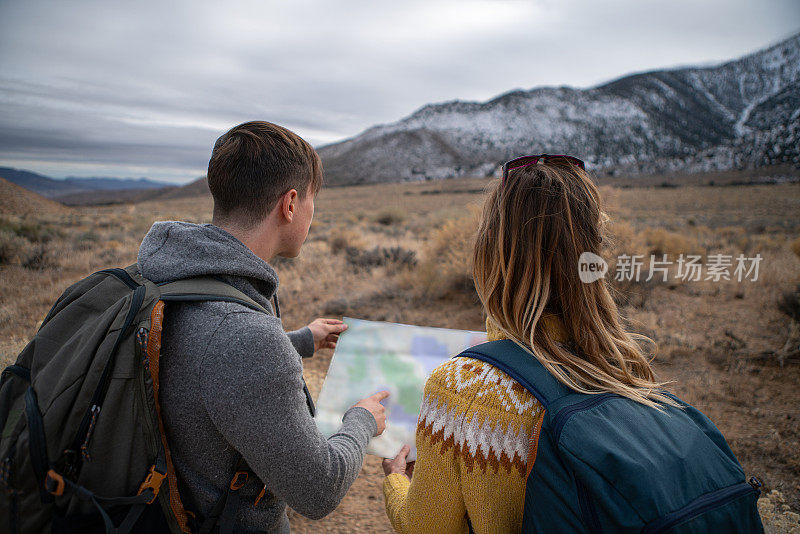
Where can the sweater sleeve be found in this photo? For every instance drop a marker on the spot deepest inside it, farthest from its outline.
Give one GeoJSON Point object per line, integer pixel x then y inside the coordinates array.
{"type": "Point", "coordinates": [476, 435]}
{"type": "Point", "coordinates": [432, 500]}
{"type": "Point", "coordinates": [253, 392]}
{"type": "Point", "coordinates": [303, 341]}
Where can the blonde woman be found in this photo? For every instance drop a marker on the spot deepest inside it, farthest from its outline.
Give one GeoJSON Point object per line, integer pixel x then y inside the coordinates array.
{"type": "Point", "coordinates": [478, 432]}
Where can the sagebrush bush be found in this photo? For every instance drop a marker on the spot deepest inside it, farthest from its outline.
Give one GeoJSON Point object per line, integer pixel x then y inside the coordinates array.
{"type": "Point", "coordinates": [336, 307]}
{"type": "Point", "coordinates": [39, 258]}
{"type": "Point", "coordinates": [789, 303]}
{"type": "Point", "coordinates": [672, 244]}
{"type": "Point", "coordinates": [390, 217]}
{"type": "Point", "coordinates": [12, 247]}
{"type": "Point", "coordinates": [33, 231]}
{"type": "Point", "coordinates": [342, 238]}
{"type": "Point", "coordinates": [446, 266]}
{"type": "Point", "coordinates": [795, 246]}
{"type": "Point", "coordinates": [380, 256]}
{"type": "Point", "coordinates": [622, 238]}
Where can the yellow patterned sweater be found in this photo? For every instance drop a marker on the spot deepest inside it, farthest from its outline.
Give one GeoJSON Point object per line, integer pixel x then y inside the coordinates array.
{"type": "Point", "coordinates": [476, 442]}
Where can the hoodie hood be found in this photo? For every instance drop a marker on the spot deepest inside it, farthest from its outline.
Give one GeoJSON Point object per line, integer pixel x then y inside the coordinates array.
{"type": "Point", "coordinates": [174, 250]}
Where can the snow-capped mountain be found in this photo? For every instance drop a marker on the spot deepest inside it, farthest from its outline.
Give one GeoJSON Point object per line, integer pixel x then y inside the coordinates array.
{"type": "Point", "coordinates": [739, 114]}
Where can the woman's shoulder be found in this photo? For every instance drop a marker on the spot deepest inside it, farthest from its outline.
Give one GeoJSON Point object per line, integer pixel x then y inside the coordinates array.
{"type": "Point", "coordinates": [466, 380]}
{"type": "Point", "coordinates": [484, 416]}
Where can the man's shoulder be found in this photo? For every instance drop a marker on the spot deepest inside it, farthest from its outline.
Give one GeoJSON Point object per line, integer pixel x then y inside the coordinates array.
{"type": "Point", "coordinates": [224, 335]}
{"type": "Point", "coordinates": [216, 319]}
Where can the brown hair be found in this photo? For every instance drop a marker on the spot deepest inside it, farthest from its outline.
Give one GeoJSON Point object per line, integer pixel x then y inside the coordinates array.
{"type": "Point", "coordinates": [253, 165]}
{"type": "Point", "coordinates": [533, 230]}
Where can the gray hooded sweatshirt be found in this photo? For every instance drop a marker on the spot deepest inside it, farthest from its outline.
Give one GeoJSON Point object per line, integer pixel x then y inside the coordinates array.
{"type": "Point", "coordinates": [231, 380]}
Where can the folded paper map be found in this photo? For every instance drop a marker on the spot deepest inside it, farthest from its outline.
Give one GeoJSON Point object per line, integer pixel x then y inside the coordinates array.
{"type": "Point", "coordinates": [374, 356]}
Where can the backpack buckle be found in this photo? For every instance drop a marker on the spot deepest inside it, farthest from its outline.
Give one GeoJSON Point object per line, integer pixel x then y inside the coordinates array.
{"type": "Point", "coordinates": [153, 482]}
{"type": "Point", "coordinates": [239, 480]}
{"type": "Point", "coordinates": [54, 483]}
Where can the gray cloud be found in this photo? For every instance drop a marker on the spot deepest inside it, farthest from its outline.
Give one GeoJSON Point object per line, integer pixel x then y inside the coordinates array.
{"type": "Point", "coordinates": [148, 86]}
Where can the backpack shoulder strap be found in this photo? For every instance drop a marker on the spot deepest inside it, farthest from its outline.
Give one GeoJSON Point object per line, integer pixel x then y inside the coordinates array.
{"type": "Point", "coordinates": [198, 288]}
{"type": "Point", "coordinates": [206, 288]}
{"type": "Point", "coordinates": [522, 366]}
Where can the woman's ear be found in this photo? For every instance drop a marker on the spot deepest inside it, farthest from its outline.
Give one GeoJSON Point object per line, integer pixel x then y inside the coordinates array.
{"type": "Point", "coordinates": [288, 205]}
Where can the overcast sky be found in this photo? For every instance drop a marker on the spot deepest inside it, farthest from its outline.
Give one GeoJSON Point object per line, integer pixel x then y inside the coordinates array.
{"type": "Point", "coordinates": [144, 88]}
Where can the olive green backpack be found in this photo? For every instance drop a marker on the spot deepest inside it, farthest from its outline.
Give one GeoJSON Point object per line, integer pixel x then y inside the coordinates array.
{"type": "Point", "coordinates": [83, 446]}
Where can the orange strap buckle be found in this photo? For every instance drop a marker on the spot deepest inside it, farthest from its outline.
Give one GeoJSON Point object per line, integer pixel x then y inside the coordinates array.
{"type": "Point", "coordinates": [153, 482]}
{"type": "Point", "coordinates": [54, 483]}
{"type": "Point", "coordinates": [239, 480]}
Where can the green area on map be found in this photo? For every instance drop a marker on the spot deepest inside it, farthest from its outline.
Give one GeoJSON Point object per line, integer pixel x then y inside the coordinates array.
{"type": "Point", "coordinates": [372, 356]}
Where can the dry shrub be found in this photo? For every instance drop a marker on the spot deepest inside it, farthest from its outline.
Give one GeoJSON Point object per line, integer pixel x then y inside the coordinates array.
{"type": "Point", "coordinates": [389, 217]}
{"type": "Point", "coordinates": [336, 307]}
{"type": "Point", "coordinates": [795, 246]}
{"type": "Point", "coordinates": [789, 303]}
{"type": "Point", "coordinates": [33, 231]}
{"type": "Point", "coordinates": [87, 241]}
{"type": "Point", "coordinates": [397, 257]}
{"type": "Point", "coordinates": [634, 293]}
{"type": "Point", "coordinates": [622, 238]}
{"type": "Point", "coordinates": [776, 515]}
{"type": "Point", "coordinates": [279, 262]}
{"type": "Point", "coordinates": [40, 258]}
{"type": "Point", "coordinates": [672, 244]}
{"type": "Point", "coordinates": [12, 247]}
{"type": "Point", "coordinates": [446, 267]}
{"type": "Point", "coordinates": [343, 238]}
{"type": "Point", "coordinates": [754, 243]}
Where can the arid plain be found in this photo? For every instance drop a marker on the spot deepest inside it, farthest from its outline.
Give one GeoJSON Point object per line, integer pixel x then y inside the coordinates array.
{"type": "Point", "coordinates": [400, 253]}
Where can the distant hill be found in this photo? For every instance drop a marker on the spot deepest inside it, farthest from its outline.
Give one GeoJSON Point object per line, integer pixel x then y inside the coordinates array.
{"type": "Point", "coordinates": [16, 200]}
{"type": "Point", "coordinates": [109, 196]}
{"type": "Point", "coordinates": [116, 183]}
{"type": "Point", "coordinates": [52, 188]}
{"type": "Point", "coordinates": [193, 189]}
{"type": "Point", "coordinates": [196, 188]}
{"type": "Point", "coordinates": [741, 114]}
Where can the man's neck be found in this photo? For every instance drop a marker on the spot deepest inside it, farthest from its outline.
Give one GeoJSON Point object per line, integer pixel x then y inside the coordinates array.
{"type": "Point", "coordinates": [262, 243]}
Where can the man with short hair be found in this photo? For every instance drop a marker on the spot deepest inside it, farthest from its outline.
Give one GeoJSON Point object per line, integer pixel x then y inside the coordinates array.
{"type": "Point", "coordinates": [231, 378]}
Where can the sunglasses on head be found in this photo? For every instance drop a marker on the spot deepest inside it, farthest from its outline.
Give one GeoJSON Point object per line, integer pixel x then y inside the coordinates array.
{"type": "Point", "coordinates": [524, 161]}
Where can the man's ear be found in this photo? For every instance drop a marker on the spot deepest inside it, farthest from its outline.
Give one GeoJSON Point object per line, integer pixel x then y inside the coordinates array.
{"type": "Point", "coordinates": [288, 205]}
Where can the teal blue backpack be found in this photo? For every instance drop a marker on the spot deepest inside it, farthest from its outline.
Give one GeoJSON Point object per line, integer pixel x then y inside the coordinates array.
{"type": "Point", "coordinates": [608, 464]}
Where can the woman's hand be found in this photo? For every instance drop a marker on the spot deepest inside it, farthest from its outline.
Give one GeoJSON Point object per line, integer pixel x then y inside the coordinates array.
{"type": "Point", "coordinates": [398, 464]}
{"type": "Point", "coordinates": [326, 332]}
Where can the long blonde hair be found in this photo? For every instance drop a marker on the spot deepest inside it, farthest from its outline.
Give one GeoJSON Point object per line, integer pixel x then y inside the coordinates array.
{"type": "Point", "coordinates": [533, 230]}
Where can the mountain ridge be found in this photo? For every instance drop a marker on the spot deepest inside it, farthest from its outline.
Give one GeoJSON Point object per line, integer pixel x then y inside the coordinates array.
{"type": "Point", "coordinates": [727, 116]}
{"type": "Point", "coordinates": [54, 188]}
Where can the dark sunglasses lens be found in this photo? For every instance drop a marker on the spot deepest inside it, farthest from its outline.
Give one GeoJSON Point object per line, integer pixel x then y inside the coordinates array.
{"type": "Point", "coordinates": [521, 162]}
{"type": "Point", "coordinates": [565, 160]}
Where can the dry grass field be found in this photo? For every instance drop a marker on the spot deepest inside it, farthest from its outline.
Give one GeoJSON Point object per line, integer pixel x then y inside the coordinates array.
{"type": "Point", "coordinates": [400, 252]}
